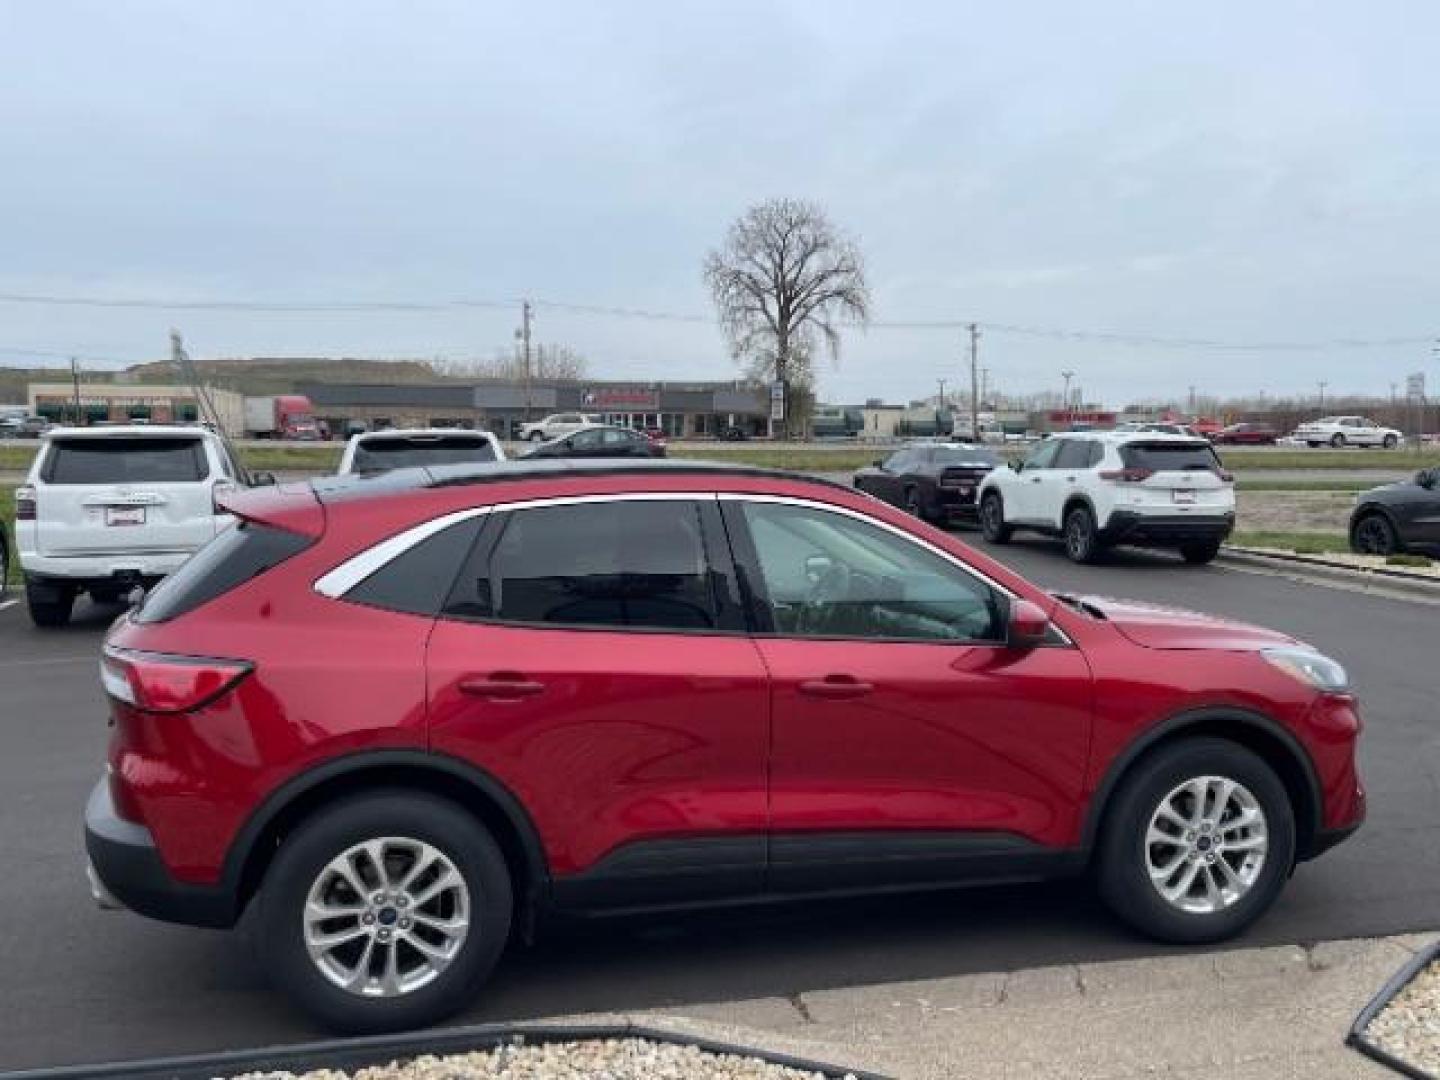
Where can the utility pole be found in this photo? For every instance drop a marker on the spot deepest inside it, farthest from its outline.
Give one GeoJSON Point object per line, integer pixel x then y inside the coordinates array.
{"type": "Point", "coordinates": [1322, 384]}
{"type": "Point", "coordinates": [974, 383]}
{"type": "Point", "coordinates": [1192, 402]}
{"type": "Point", "coordinates": [1065, 401]}
{"type": "Point", "coordinates": [984, 384]}
{"type": "Point", "coordinates": [525, 316]}
{"type": "Point", "coordinates": [75, 384]}
{"type": "Point", "coordinates": [940, 401]}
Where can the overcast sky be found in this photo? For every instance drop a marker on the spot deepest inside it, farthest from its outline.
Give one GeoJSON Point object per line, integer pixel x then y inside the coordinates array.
{"type": "Point", "coordinates": [1233, 171]}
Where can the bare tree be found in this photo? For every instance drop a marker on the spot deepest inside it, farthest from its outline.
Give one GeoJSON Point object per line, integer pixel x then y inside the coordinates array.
{"type": "Point", "coordinates": [550, 362]}
{"type": "Point", "coordinates": [783, 284]}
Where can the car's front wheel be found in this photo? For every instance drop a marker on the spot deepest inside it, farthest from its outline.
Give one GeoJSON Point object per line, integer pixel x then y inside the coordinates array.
{"type": "Point", "coordinates": [1337, 440]}
{"type": "Point", "coordinates": [1390, 442]}
{"type": "Point", "coordinates": [1374, 535]}
{"type": "Point", "coordinates": [385, 911]}
{"type": "Point", "coordinates": [1198, 842]}
{"type": "Point", "coordinates": [992, 520]}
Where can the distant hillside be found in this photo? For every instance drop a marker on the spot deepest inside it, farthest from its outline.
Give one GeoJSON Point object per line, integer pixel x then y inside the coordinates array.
{"type": "Point", "coordinates": [279, 374]}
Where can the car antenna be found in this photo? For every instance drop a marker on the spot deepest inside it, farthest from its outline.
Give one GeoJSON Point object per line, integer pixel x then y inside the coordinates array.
{"type": "Point", "coordinates": [182, 360]}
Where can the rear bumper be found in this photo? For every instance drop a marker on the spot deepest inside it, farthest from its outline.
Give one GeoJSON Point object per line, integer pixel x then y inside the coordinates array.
{"type": "Point", "coordinates": [100, 568]}
{"type": "Point", "coordinates": [1126, 526]}
{"type": "Point", "coordinates": [126, 869]}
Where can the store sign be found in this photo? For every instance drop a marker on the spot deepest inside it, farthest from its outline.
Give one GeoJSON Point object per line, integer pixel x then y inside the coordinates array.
{"type": "Point", "coordinates": [777, 400]}
{"type": "Point", "coordinates": [621, 398]}
{"type": "Point", "coordinates": [1415, 386]}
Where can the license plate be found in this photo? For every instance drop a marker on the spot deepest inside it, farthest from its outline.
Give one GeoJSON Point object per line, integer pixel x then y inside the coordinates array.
{"type": "Point", "coordinates": [1184, 496]}
{"type": "Point", "coordinates": [125, 515]}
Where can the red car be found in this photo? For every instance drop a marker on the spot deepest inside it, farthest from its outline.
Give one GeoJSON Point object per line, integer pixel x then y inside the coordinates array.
{"type": "Point", "coordinates": [404, 715]}
{"type": "Point", "coordinates": [1246, 435]}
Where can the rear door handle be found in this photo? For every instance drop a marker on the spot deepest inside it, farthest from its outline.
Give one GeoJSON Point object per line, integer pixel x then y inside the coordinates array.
{"type": "Point", "coordinates": [502, 686]}
{"type": "Point", "coordinates": [1034, 479]}
{"type": "Point", "coordinates": [836, 687]}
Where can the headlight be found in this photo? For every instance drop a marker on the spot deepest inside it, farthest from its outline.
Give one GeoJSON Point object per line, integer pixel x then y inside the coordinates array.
{"type": "Point", "coordinates": [1309, 667]}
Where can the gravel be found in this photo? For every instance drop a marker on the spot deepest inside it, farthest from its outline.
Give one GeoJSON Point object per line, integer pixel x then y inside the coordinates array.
{"type": "Point", "coordinates": [1409, 1026]}
{"type": "Point", "coordinates": [608, 1059]}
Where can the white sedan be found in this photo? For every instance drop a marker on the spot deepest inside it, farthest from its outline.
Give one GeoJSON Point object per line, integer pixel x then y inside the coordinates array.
{"type": "Point", "coordinates": [1347, 431]}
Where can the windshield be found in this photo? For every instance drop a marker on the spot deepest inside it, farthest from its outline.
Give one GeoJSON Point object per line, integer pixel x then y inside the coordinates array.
{"type": "Point", "coordinates": [399, 452]}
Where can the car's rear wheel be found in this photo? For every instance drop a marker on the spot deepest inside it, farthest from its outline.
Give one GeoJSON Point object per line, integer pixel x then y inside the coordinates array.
{"type": "Point", "coordinates": [50, 605]}
{"type": "Point", "coordinates": [1374, 535]}
{"type": "Point", "coordinates": [1337, 440]}
{"type": "Point", "coordinates": [385, 911]}
{"type": "Point", "coordinates": [1198, 842]}
{"type": "Point", "coordinates": [992, 520]}
{"type": "Point", "coordinates": [1082, 541]}
{"type": "Point", "coordinates": [1200, 552]}
{"type": "Point", "coordinates": [1390, 442]}
{"type": "Point", "coordinates": [913, 505]}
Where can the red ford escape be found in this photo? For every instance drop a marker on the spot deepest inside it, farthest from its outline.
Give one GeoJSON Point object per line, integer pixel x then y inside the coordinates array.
{"type": "Point", "coordinates": [404, 714]}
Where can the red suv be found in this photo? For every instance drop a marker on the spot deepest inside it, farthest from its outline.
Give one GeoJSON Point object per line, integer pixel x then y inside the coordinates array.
{"type": "Point", "coordinates": [405, 714]}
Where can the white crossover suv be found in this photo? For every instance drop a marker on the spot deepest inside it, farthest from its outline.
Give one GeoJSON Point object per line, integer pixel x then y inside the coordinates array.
{"type": "Point", "coordinates": [1347, 431]}
{"type": "Point", "coordinates": [400, 448]}
{"type": "Point", "coordinates": [104, 509]}
{"type": "Point", "coordinates": [1096, 489]}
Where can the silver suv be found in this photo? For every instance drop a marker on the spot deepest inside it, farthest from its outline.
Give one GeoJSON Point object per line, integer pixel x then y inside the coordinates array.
{"type": "Point", "coordinates": [105, 509]}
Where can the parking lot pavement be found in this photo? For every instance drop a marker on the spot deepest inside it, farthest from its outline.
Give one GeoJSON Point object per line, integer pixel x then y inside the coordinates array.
{"type": "Point", "coordinates": [85, 985]}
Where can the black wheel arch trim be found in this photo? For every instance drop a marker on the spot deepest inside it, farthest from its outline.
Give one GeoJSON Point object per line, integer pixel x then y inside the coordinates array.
{"type": "Point", "coordinates": [1084, 499]}
{"type": "Point", "coordinates": [240, 860]}
{"type": "Point", "coordinates": [1309, 832]}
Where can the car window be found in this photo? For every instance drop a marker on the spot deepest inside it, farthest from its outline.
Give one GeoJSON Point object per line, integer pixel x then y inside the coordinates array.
{"type": "Point", "coordinates": [1073, 454]}
{"type": "Point", "coordinates": [585, 438]}
{"type": "Point", "coordinates": [1042, 456]}
{"type": "Point", "coordinates": [615, 437]}
{"type": "Point", "coordinates": [1169, 456]}
{"type": "Point", "coordinates": [829, 575]}
{"type": "Point", "coordinates": [621, 564]}
{"type": "Point", "coordinates": [403, 451]}
{"type": "Point", "coordinates": [125, 461]}
{"type": "Point", "coordinates": [236, 555]}
{"type": "Point", "coordinates": [1095, 455]}
{"type": "Point", "coordinates": [418, 580]}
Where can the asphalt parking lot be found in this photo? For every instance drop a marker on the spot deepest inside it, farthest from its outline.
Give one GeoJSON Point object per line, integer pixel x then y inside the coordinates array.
{"type": "Point", "coordinates": [84, 985]}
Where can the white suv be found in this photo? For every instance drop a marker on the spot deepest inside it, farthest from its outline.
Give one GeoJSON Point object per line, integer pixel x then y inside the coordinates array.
{"type": "Point", "coordinates": [555, 426]}
{"type": "Point", "coordinates": [400, 448]}
{"type": "Point", "coordinates": [1101, 488]}
{"type": "Point", "coordinates": [105, 509]}
{"type": "Point", "coordinates": [1347, 431]}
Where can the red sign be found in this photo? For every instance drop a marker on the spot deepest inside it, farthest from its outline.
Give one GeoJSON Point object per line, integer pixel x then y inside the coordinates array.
{"type": "Point", "coordinates": [1079, 416]}
{"type": "Point", "coordinates": [632, 398]}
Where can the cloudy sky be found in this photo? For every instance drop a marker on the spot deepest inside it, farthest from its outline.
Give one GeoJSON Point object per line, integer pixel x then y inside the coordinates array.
{"type": "Point", "coordinates": [1235, 172]}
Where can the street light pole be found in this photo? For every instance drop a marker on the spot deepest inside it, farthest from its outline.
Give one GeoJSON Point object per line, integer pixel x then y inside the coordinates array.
{"type": "Point", "coordinates": [1067, 376]}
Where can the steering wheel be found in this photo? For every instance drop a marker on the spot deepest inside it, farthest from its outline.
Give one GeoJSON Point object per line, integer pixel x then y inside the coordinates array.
{"type": "Point", "coordinates": [828, 589]}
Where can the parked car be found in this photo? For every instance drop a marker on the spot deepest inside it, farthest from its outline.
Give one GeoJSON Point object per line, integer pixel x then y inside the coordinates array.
{"type": "Point", "coordinates": [1245, 434]}
{"type": "Point", "coordinates": [104, 509]}
{"type": "Point", "coordinates": [23, 427]}
{"type": "Point", "coordinates": [1096, 489]}
{"type": "Point", "coordinates": [1398, 517]}
{"type": "Point", "coordinates": [400, 717]}
{"type": "Point", "coordinates": [1347, 431]}
{"type": "Point", "coordinates": [655, 435]}
{"type": "Point", "coordinates": [398, 448]}
{"type": "Point", "coordinates": [934, 481]}
{"type": "Point", "coordinates": [600, 441]}
{"type": "Point", "coordinates": [554, 426]}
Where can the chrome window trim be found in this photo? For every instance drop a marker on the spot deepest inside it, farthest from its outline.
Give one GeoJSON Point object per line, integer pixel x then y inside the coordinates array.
{"type": "Point", "coordinates": [338, 581]}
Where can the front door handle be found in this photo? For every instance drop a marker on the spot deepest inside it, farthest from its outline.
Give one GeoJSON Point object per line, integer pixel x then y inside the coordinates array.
{"type": "Point", "coordinates": [1034, 479]}
{"type": "Point", "coordinates": [502, 686]}
{"type": "Point", "coordinates": [836, 687]}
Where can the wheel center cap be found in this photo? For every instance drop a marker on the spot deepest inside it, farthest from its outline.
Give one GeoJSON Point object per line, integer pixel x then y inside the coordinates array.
{"type": "Point", "coordinates": [1203, 843]}
{"type": "Point", "coordinates": [387, 916]}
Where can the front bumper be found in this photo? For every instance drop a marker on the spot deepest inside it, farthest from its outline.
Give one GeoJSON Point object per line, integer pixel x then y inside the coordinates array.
{"type": "Point", "coordinates": [126, 870]}
{"type": "Point", "coordinates": [1128, 527]}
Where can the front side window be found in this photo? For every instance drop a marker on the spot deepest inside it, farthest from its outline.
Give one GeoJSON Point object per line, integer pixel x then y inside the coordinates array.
{"type": "Point", "coordinates": [1043, 455]}
{"type": "Point", "coordinates": [619, 564]}
{"type": "Point", "coordinates": [1073, 454]}
{"type": "Point", "coordinates": [826, 574]}
{"type": "Point", "coordinates": [583, 439]}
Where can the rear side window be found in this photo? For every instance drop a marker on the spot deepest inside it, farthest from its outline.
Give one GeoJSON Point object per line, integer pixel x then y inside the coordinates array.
{"type": "Point", "coordinates": [1169, 456]}
{"type": "Point", "coordinates": [620, 564]}
{"type": "Point", "coordinates": [236, 555]}
{"type": "Point", "coordinates": [125, 461]}
{"type": "Point", "coordinates": [402, 452]}
{"type": "Point", "coordinates": [418, 580]}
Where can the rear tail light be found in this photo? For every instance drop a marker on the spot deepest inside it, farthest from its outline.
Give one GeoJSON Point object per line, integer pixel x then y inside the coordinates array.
{"type": "Point", "coordinates": [220, 489]}
{"type": "Point", "coordinates": [1128, 476]}
{"type": "Point", "coordinates": [25, 504]}
{"type": "Point", "coordinates": [161, 683]}
{"type": "Point", "coordinates": [1226, 477]}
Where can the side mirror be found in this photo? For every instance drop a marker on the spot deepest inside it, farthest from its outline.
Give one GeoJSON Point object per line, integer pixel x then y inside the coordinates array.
{"type": "Point", "coordinates": [1029, 625]}
{"type": "Point", "coordinates": [1426, 478]}
{"type": "Point", "coordinates": [262, 479]}
{"type": "Point", "coordinates": [1017, 465]}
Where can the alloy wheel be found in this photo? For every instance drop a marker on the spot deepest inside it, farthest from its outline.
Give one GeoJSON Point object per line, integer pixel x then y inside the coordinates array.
{"type": "Point", "coordinates": [386, 917]}
{"type": "Point", "coordinates": [1206, 845]}
{"type": "Point", "coordinates": [1373, 536]}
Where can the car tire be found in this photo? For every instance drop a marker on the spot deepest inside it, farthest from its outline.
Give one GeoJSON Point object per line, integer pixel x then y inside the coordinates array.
{"type": "Point", "coordinates": [914, 505]}
{"type": "Point", "coordinates": [1390, 442]}
{"type": "Point", "coordinates": [50, 607]}
{"type": "Point", "coordinates": [1200, 552]}
{"type": "Point", "coordinates": [1312, 445]}
{"type": "Point", "coordinates": [1127, 861]}
{"type": "Point", "coordinates": [4, 563]}
{"type": "Point", "coordinates": [1082, 541]}
{"type": "Point", "coordinates": [992, 520]}
{"type": "Point", "coordinates": [395, 822]}
{"type": "Point", "coordinates": [1337, 440]}
{"type": "Point", "coordinates": [1373, 534]}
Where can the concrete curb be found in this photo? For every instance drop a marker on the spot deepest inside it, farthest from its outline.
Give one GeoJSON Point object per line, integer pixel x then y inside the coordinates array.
{"type": "Point", "coordinates": [1386, 578]}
